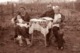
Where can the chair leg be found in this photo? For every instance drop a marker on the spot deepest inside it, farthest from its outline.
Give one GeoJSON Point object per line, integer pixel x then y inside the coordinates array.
{"type": "Point", "coordinates": [32, 39]}
{"type": "Point", "coordinates": [28, 41]}
{"type": "Point", "coordinates": [45, 41]}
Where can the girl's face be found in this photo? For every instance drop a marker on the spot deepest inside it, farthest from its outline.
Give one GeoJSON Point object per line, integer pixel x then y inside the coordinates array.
{"type": "Point", "coordinates": [56, 11]}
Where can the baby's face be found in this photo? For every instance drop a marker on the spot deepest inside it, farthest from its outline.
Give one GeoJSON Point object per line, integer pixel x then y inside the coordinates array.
{"type": "Point", "coordinates": [19, 19]}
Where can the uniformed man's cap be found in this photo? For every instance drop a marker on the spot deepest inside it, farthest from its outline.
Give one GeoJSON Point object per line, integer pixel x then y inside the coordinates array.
{"type": "Point", "coordinates": [49, 5]}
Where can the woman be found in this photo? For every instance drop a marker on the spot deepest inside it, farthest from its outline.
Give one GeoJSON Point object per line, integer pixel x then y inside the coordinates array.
{"type": "Point", "coordinates": [22, 31]}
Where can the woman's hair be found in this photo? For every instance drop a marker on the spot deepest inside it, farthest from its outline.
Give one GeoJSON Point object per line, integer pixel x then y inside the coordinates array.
{"type": "Point", "coordinates": [18, 13]}
{"type": "Point", "coordinates": [23, 8]}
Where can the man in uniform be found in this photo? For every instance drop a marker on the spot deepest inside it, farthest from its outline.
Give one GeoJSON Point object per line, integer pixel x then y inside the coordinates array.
{"type": "Point", "coordinates": [58, 18]}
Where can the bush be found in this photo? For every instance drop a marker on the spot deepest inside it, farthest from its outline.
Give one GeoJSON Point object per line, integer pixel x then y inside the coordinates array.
{"type": "Point", "coordinates": [77, 5]}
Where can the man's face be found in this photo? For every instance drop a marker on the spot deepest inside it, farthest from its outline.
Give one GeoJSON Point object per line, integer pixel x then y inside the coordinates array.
{"type": "Point", "coordinates": [49, 8]}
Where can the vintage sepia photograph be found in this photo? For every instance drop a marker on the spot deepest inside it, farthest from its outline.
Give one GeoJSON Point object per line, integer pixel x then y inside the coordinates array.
{"type": "Point", "coordinates": [39, 26]}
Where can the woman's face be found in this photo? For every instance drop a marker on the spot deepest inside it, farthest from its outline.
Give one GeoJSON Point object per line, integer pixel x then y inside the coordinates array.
{"type": "Point", "coordinates": [22, 10]}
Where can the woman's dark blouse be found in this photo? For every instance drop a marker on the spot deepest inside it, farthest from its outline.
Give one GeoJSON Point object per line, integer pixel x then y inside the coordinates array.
{"type": "Point", "coordinates": [22, 31]}
{"type": "Point", "coordinates": [26, 17]}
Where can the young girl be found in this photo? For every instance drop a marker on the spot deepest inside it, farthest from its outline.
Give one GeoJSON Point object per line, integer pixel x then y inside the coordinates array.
{"type": "Point", "coordinates": [56, 27]}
